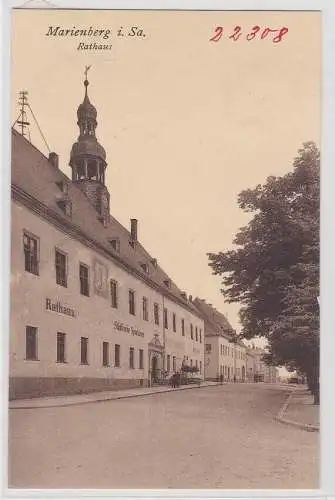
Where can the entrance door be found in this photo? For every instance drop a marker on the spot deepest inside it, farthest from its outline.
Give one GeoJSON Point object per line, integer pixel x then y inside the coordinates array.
{"type": "Point", "coordinates": [154, 369]}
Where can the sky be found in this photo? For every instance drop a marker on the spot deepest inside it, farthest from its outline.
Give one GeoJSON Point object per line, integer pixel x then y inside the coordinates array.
{"type": "Point", "coordinates": [187, 123]}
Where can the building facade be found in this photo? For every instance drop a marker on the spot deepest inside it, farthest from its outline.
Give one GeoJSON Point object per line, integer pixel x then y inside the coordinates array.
{"type": "Point", "coordinates": [257, 369]}
{"type": "Point", "coordinates": [224, 354]}
{"type": "Point", "coordinates": [90, 308]}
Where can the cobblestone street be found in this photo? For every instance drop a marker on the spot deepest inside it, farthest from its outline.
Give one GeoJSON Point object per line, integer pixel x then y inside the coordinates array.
{"type": "Point", "coordinates": [215, 437]}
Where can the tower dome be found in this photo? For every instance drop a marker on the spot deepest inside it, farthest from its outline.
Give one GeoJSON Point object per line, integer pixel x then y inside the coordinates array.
{"type": "Point", "coordinates": [86, 109]}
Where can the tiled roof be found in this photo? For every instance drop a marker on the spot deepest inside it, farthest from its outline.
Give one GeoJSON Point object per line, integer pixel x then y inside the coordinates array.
{"type": "Point", "coordinates": [215, 322]}
{"type": "Point", "coordinates": [34, 175]}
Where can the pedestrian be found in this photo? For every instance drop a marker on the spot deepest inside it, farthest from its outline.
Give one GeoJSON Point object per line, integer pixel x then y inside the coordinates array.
{"type": "Point", "coordinates": [221, 379]}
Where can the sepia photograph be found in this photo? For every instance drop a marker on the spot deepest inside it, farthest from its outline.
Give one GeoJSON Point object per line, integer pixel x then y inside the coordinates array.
{"type": "Point", "coordinates": [165, 245]}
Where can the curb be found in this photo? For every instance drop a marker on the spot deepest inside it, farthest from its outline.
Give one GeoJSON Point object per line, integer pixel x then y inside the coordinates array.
{"type": "Point", "coordinates": [101, 399]}
{"type": "Point", "coordinates": [281, 417]}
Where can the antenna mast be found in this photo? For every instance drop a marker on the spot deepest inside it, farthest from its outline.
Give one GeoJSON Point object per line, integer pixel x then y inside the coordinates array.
{"type": "Point", "coordinates": [22, 121]}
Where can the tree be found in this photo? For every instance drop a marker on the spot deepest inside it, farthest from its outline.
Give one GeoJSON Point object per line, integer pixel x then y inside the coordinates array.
{"type": "Point", "coordinates": [273, 270]}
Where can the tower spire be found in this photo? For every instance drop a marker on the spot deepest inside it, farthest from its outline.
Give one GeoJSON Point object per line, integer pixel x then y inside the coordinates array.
{"type": "Point", "coordinates": [88, 157]}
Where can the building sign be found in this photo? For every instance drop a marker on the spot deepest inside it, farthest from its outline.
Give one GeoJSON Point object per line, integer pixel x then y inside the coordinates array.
{"type": "Point", "coordinates": [121, 327]}
{"type": "Point", "coordinates": [100, 278]}
{"type": "Point", "coordinates": [59, 308]}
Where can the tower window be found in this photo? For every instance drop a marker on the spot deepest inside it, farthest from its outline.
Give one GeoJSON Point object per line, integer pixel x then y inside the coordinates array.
{"type": "Point", "coordinates": [92, 170]}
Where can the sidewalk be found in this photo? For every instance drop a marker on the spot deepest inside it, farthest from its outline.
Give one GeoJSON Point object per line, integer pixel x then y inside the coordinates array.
{"type": "Point", "coordinates": [93, 397]}
{"type": "Point", "coordinates": [300, 411]}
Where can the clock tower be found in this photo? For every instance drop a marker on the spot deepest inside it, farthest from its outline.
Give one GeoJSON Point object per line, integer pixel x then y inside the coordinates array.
{"type": "Point", "coordinates": [88, 158]}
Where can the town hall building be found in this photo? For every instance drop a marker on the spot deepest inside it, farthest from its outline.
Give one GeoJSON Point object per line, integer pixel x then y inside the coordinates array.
{"type": "Point", "coordinates": [91, 309]}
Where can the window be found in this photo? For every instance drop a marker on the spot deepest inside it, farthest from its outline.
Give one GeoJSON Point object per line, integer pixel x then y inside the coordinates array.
{"type": "Point", "coordinates": [117, 355]}
{"type": "Point", "coordinates": [200, 367]}
{"type": "Point", "coordinates": [141, 365]}
{"type": "Point", "coordinates": [196, 364]}
{"type": "Point", "coordinates": [174, 363]}
{"type": "Point", "coordinates": [145, 267]}
{"type": "Point", "coordinates": [174, 321]}
{"type": "Point", "coordinates": [168, 362]}
{"type": "Point", "coordinates": [132, 302]}
{"type": "Point", "coordinates": [31, 343]}
{"type": "Point", "coordinates": [61, 271]}
{"type": "Point", "coordinates": [115, 244]}
{"type": "Point", "coordinates": [131, 357]}
{"type": "Point", "coordinates": [191, 362]}
{"type": "Point", "coordinates": [196, 334]}
{"type": "Point", "coordinates": [208, 348]}
{"type": "Point", "coordinates": [31, 251]}
{"type": "Point", "coordinates": [60, 347]}
{"type": "Point", "coordinates": [145, 309]}
{"type": "Point", "coordinates": [83, 350]}
{"type": "Point", "coordinates": [105, 353]}
{"type": "Point", "coordinates": [200, 336]}
{"type": "Point", "coordinates": [84, 280]}
{"type": "Point", "coordinates": [156, 314]}
{"type": "Point", "coordinates": [191, 331]}
{"type": "Point", "coordinates": [183, 327]}
{"type": "Point", "coordinates": [166, 325]}
{"type": "Point", "coordinates": [113, 292]}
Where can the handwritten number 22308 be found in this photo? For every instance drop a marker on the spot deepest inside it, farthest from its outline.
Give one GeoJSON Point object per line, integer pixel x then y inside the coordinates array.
{"type": "Point", "coordinates": [276, 33]}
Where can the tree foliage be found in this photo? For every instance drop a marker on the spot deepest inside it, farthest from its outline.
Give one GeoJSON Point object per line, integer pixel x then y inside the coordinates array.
{"type": "Point", "coordinates": [273, 270]}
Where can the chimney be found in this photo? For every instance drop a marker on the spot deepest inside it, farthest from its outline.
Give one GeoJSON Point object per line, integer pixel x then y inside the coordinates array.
{"type": "Point", "coordinates": [133, 229]}
{"type": "Point", "coordinates": [190, 298]}
{"type": "Point", "coordinates": [54, 159]}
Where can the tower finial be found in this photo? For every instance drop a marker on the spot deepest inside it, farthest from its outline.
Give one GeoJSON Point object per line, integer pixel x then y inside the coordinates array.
{"type": "Point", "coordinates": [86, 82]}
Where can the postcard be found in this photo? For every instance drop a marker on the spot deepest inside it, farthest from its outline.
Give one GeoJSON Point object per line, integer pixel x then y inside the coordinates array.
{"type": "Point", "coordinates": [164, 315]}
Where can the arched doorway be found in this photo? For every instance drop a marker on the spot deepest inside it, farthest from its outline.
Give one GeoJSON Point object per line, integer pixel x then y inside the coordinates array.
{"type": "Point", "coordinates": [155, 352]}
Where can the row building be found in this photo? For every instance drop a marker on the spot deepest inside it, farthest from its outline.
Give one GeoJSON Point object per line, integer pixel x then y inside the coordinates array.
{"type": "Point", "coordinates": [91, 309]}
{"type": "Point", "coordinates": [225, 354]}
